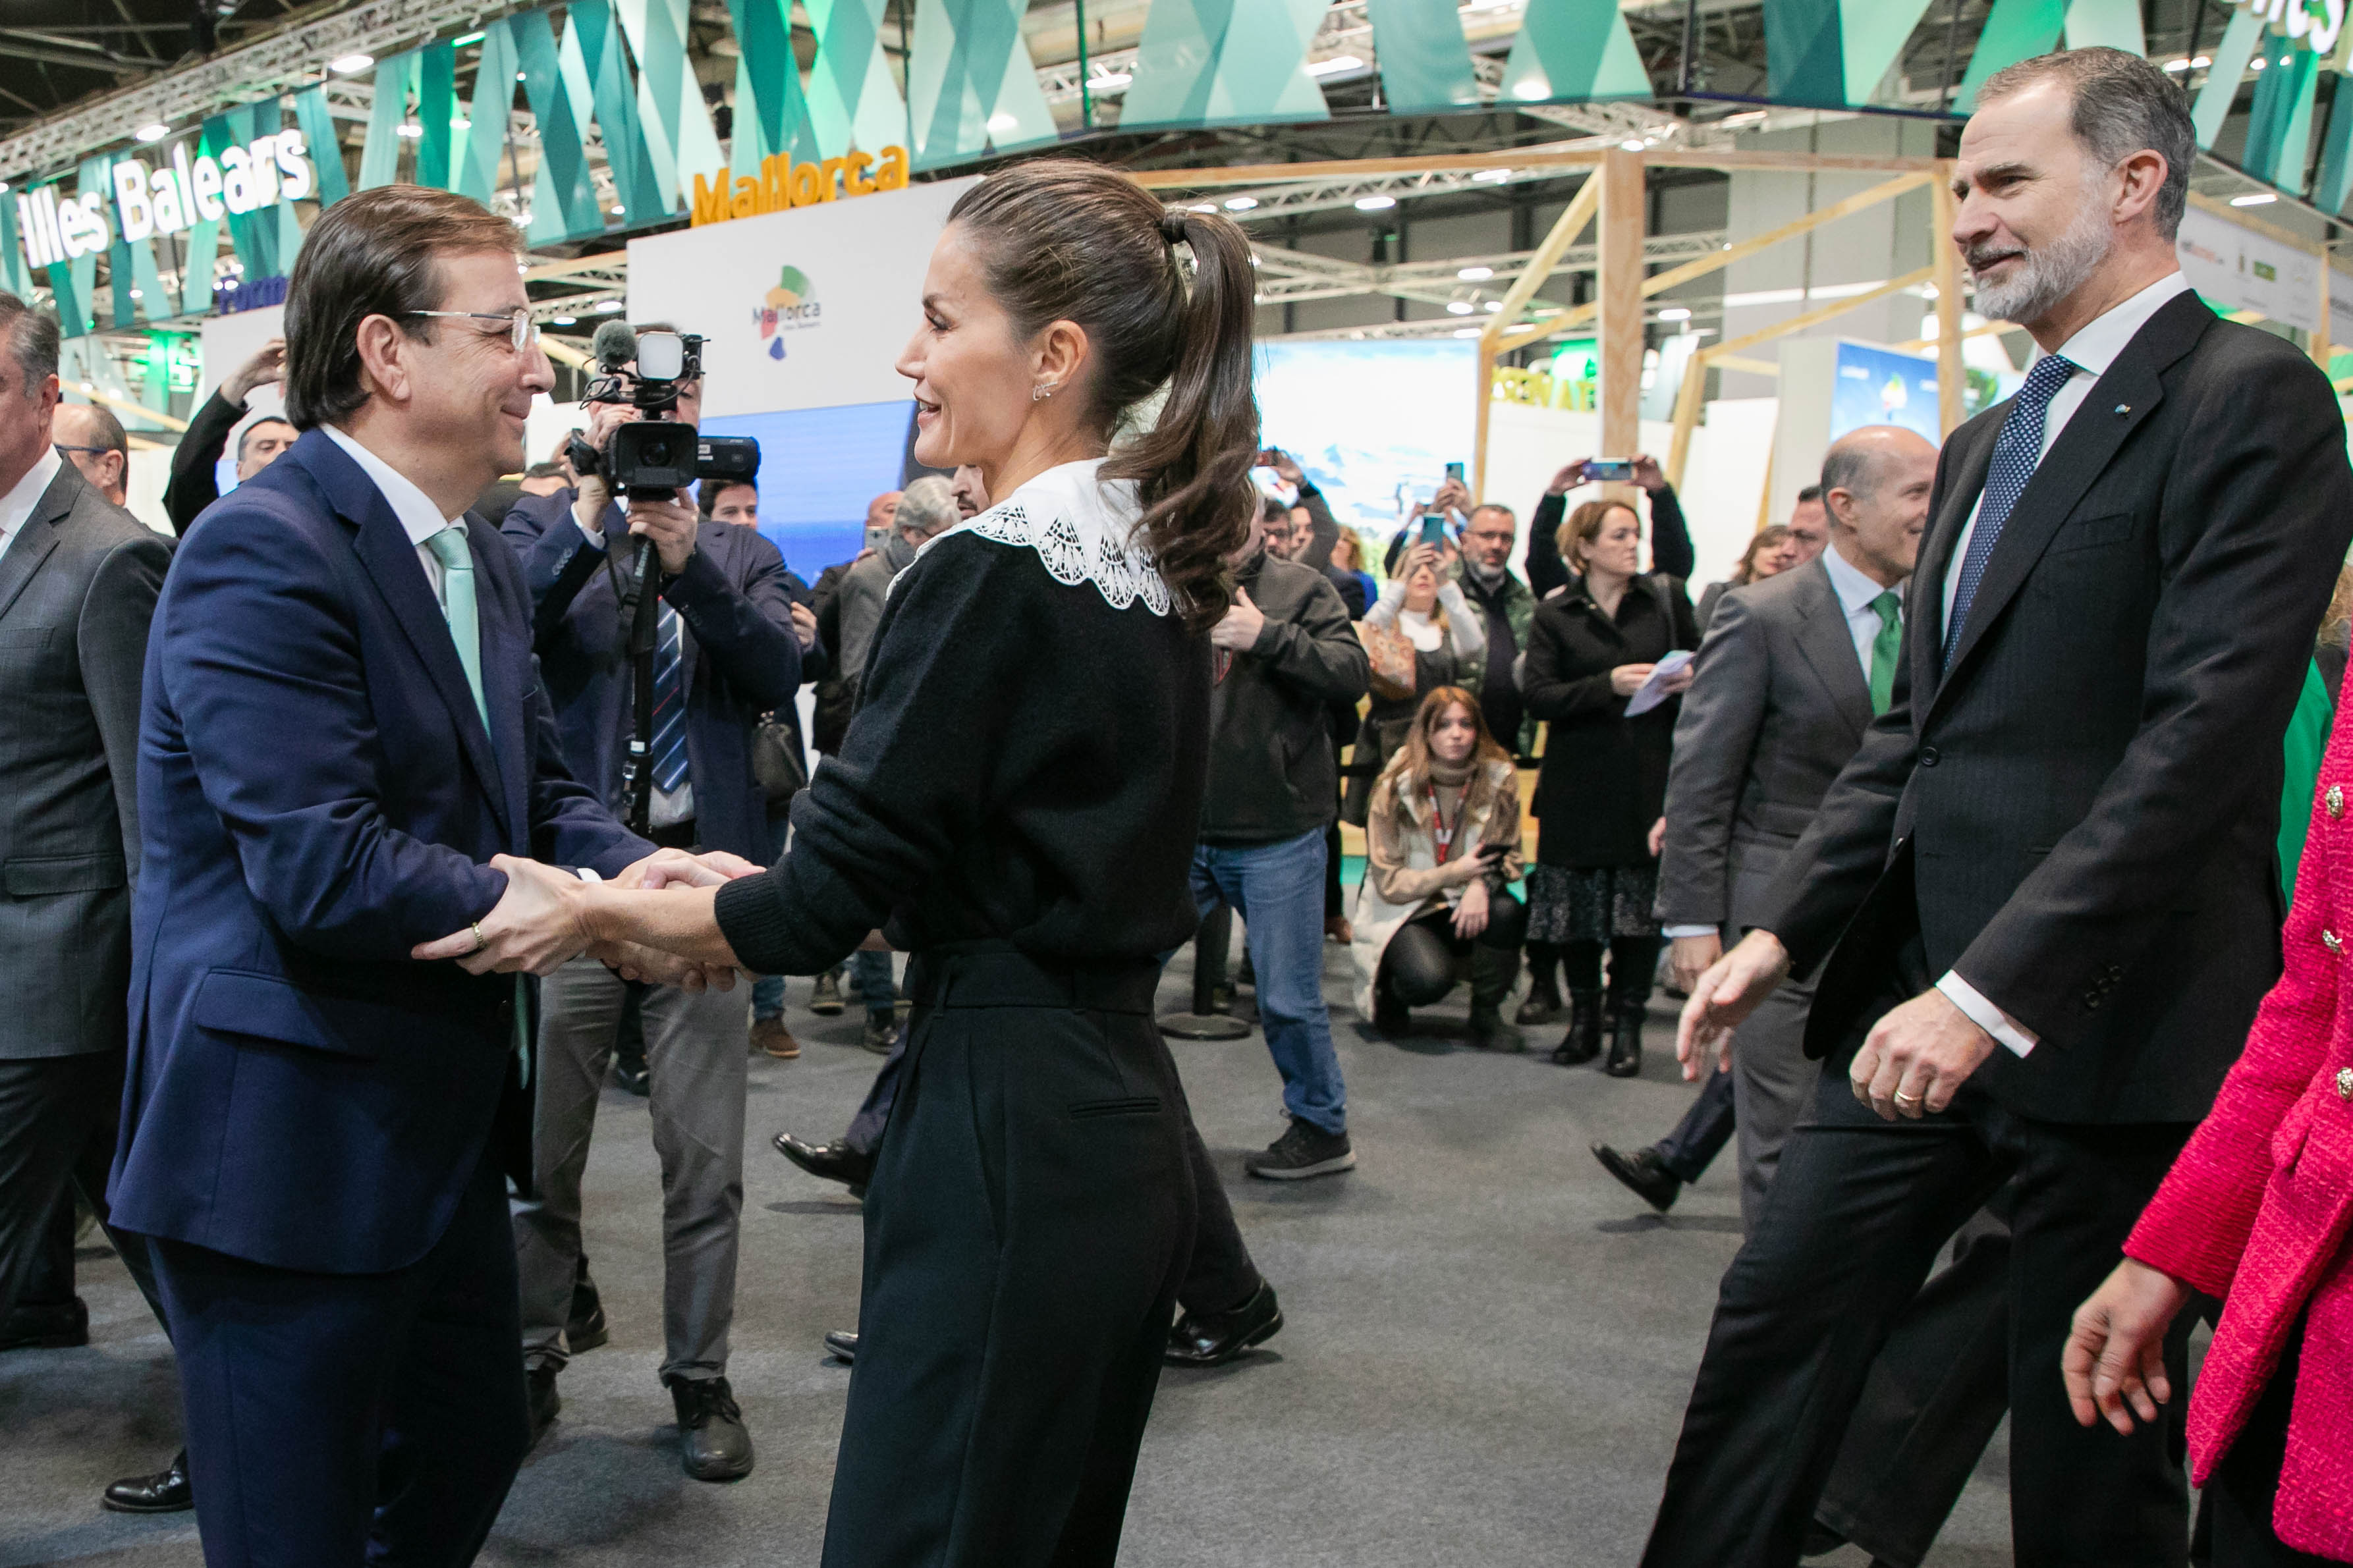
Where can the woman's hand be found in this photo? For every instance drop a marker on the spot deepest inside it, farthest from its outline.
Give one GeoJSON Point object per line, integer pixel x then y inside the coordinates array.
{"type": "Point", "coordinates": [540, 923]}
{"type": "Point", "coordinates": [1680, 681]}
{"type": "Point", "coordinates": [1453, 498]}
{"type": "Point", "coordinates": [1470, 912]}
{"type": "Point", "coordinates": [1627, 678]}
{"type": "Point", "coordinates": [2114, 1361]}
{"type": "Point", "coordinates": [804, 625]}
{"type": "Point", "coordinates": [1571, 476]}
{"type": "Point", "coordinates": [1416, 557]}
{"type": "Point", "coordinates": [1658, 839]}
{"type": "Point", "coordinates": [634, 961]}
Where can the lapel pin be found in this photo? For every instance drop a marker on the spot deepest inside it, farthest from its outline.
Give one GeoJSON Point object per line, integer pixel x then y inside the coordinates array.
{"type": "Point", "coordinates": [2124, 408]}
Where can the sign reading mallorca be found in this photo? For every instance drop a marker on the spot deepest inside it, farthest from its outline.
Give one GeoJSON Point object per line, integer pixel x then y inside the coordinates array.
{"type": "Point", "coordinates": [167, 199]}
{"type": "Point", "coordinates": [784, 183]}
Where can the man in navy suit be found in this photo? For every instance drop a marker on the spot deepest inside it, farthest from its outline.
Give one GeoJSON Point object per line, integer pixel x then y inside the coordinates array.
{"type": "Point", "coordinates": [343, 742]}
{"type": "Point", "coordinates": [727, 649]}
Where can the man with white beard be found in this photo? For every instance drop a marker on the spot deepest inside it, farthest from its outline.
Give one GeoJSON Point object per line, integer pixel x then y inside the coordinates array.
{"type": "Point", "coordinates": [2042, 898]}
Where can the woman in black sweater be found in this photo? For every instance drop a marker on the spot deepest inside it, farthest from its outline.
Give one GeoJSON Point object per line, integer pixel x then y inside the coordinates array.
{"type": "Point", "coordinates": [1015, 805]}
{"type": "Point", "coordinates": [1604, 779]}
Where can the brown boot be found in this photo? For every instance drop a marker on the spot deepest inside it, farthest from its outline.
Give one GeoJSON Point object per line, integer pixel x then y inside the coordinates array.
{"type": "Point", "coordinates": [770, 1035]}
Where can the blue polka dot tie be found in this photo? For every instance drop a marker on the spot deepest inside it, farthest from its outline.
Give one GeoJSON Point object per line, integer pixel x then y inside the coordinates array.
{"type": "Point", "coordinates": [2016, 451]}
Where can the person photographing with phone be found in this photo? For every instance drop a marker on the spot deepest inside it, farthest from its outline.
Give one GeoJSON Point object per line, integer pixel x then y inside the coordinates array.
{"type": "Point", "coordinates": [1423, 603]}
{"type": "Point", "coordinates": [1670, 545]}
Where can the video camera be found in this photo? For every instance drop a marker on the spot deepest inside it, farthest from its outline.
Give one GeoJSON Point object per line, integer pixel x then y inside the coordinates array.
{"type": "Point", "coordinates": [655, 456]}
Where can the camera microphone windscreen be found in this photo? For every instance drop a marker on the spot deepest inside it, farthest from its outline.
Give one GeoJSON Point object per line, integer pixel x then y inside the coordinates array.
{"type": "Point", "coordinates": [615, 343]}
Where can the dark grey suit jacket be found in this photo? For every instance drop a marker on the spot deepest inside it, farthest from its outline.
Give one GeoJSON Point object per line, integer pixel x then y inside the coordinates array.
{"type": "Point", "coordinates": [1778, 704]}
{"type": "Point", "coordinates": [77, 586]}
{"type": "Point", "coordinates": [2078, 811]}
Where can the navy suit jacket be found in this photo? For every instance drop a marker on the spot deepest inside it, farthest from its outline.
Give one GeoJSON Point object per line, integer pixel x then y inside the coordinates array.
{"type": "Point", "coordinates": [317, 794]}
{"type": "Point", "coordinates": [741, 658]}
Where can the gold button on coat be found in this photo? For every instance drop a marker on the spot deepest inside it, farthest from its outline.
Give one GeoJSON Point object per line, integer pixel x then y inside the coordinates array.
{"type": "Point", "coordinates": [2345, 1083]}
{"type": "Point", "coordinates": [2335, 800]}
{"type": "Point", "coordinates": [2332, 942]}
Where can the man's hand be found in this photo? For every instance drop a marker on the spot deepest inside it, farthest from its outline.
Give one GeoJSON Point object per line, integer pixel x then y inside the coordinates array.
{"type": "Point", "coordinates": [539, 923]}
{"type": "Point", "coordinates": [804, 627]}
{"type": "Point", "coordinates": [1453, 497]}
{"type": "Point", "coordinates": [1725, 992]}
{"type": "Point", "coordinates": [1239, 631]}
{"type": "Point", "coordinates": [1568, 478]}
{"type": "Point", "coordinates": [634, 961]}
{"type": "Point", "coordinates": [1917, 1058]}
{"type": "Point", "coordinates": [1470, 912]}
{"type": "Point", "coordinates": [1287, 465]}
{"type": "Point", "coordinates": [1649, 475]}
{"type": "Point", "coordinates": [670, 525]}
{"type": "Point", "coordinates": [1658, 839]}
{"type": "Point", "coordinates": [2115, 1353]}
{"type": "Point", "coordinates": [1690, 957]}
{"type": "Point", "coordinates": [267, 366]}
{"type": "Point", "coordinates": [677, 868]}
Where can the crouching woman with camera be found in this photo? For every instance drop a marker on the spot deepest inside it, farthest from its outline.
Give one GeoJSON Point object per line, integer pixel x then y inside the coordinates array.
{"type": "Point", "coordinates": [1443, 836]}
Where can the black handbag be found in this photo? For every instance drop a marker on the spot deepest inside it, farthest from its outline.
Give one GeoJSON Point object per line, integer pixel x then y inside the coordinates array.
{"type": "Point", "coordinates": [778, 761]}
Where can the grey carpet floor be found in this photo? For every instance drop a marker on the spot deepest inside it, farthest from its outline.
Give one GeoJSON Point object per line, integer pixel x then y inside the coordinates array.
{"type": "Point", "coordinates": [1488, 1348]}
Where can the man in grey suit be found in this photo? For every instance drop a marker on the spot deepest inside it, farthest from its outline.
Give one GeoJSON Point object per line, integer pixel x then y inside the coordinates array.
{"type": "Point", "coordinates": [79, 578]}
{"type": "Point", "coordinates": [1793, 669]}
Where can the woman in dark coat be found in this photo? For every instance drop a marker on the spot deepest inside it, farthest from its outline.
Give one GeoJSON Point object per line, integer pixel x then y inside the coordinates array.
{"type": "Point", "coordinates": [1604, 779]}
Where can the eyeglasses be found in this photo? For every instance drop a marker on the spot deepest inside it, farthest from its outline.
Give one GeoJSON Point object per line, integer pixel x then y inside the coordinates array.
{"type": "Point", "coordinates": [522, 331]}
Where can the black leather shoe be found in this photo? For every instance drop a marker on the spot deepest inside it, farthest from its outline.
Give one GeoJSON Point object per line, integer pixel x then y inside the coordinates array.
{"type": "Point", "coordinates": [632, 1074]}
{"type": "Point", "coordinates": [165, 1492]}
{"type": "Point", "coordinates": [1625, 1043]}
{"type": "Point", "coordinates": [585, 1329]}
{"type": "Point", "coordinates": [1583, 1041]}
{"type": "Point", "coordinates": [835, 1161]}
{"type": "Point", "coordinates": [1201, 1339]}
{"type": "Point", "coordinates": [539, 1386]}
{"type": "Point", "coordinates": [842, 1342]}
{"type": "Point", "coordinates": [881, 1032]}
{"type": "Point", "coordinates": [1643, 1175]}
{"type": "Point", "coordinates": [715, 1446]}
{"type": "Point", "coordinates": [45, 1325]}
{"type": "Point", "coordinates": [1391, 1017]}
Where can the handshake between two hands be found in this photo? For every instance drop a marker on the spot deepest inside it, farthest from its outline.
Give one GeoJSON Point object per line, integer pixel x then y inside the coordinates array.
{"type": "Point", "coordinates": [547, 917]}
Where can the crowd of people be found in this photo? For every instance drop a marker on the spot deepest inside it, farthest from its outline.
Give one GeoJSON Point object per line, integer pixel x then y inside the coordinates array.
{"type": "Point", "coordinates": [1986, 814]}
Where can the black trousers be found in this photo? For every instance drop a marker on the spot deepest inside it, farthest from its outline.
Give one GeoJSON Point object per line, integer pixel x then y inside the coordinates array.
{"type": "Point", "coordinates": [1418, 964]}
{"type": "Point", "coordinates": [1702, 1132]}
{"type": "Point", "coordinates": [1222, 1276]}
{"type": "Point", "coordinates": [1029, 1220]}
{"type": "Point", "coordinates": [336, 1418]}
{"type": "Point", "coordinates": [57, 1117]}
{"type": "Point", "coordinates": [1856, 1217]}
{"type": "Point", "coordinates": [2245, 1484]}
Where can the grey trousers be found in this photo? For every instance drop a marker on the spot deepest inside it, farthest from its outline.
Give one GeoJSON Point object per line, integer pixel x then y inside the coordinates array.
{"type": "Point", "coordinates": [695, 1052]}
{"type": "Point", "coordinates": [1772, 1086]}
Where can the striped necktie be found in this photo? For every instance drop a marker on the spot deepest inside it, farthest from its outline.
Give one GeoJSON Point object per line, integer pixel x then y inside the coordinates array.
{"type": "Point", "coordinates": [669, 701]}
{"type": "Point", "coordinates": [2016, 452]}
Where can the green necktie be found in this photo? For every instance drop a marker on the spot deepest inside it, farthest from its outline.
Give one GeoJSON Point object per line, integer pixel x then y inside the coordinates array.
{"type": "Point", "coordinates": [458, 608]}
{"type": "Point", "coordinates": [1885, 648]}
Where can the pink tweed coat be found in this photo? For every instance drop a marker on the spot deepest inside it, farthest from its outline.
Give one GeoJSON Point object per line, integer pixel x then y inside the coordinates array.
{"type": "Point", "coordinates": [2257, 1208]}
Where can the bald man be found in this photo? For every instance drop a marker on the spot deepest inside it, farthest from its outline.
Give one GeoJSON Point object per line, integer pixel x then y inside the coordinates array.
{"type": "Point", "coordinates": [92, 440]}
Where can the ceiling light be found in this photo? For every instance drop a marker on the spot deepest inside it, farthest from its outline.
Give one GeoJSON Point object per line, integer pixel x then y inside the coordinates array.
{"type": "Point", "coordinates": [617, 210]}
{"type": "Point", "coordinates": [1202, 207]}
{"type": "Point", "coordinates": [137, 295]}
{"type": "Point", "coordinates": [1535, 86]}
{"type": "Point", "coordinates": [462, 39]}
{"type": "Point", "coordinates": [1492, 306]}
{"type": "Point", "coordinates": [344, 64]}
{"type": "Point", "coordinates": [459, 122]}
{"type": "Point", "coordinates": [520, 220]}
{"type": "Point", "coordinates": [1334, 65]}
{"type": "Point", "coordinates": [1001, 123]}
{"type": "Point", "coordinates": [1475, 274]}
{"type": "Point", "coordinates": [4, 184]}
{"type": "Point", "coordinates": [519, 76]}
{"type": "Point", "coordinates": [2258, 63]}
{"type": "Point", "coordinates": [1491, 176]}
{"type": "Point", "coordinates": [412, 130]}
{"type": "Point", "coordinates": [1457, 307]}
{"type": "Point", "coordinates": [1110, 81]}
{"type": "Point", "coordinates": [1240, 204]}
{"type": "Point", "coordinates": [2255, 199]}
{"type": "Point", "coordinates": [153, 132]}
{"type": "Point", "coordinates": [1374, 203]}
{"type": "Point", "coordinates": [1632, 144]}
{"type": "Point", "coordinates": [1674, 314]}
{"type": "Point", "coordinates": [563, 321]}
{"type": "Point", "coordinates": [2182, 65]}
{"type": "Point", "coordinates": [608, 305]}
{"type": "Point", "coordinates": [2201, 62]}
{"type": "Point", "coordinates": [1467, 332]}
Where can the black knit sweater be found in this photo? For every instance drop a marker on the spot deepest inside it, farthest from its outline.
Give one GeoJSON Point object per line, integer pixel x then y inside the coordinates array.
{"type": "Point", "coordinates": [1027, 763]}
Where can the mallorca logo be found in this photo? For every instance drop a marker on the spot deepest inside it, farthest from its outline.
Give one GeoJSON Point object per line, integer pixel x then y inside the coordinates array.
{"type": "Point", "coordinates": [786, 308]}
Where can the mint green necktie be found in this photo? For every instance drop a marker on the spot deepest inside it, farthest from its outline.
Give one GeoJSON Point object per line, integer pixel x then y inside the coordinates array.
{"type": "Point", "coordinates": [458, 608]}
{"type": "Point", "coordinates": [1885, 648]}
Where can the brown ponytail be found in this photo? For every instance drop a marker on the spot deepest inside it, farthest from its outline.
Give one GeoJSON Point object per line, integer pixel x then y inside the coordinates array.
{"type": "Point", "coordinates": [1072, 241]}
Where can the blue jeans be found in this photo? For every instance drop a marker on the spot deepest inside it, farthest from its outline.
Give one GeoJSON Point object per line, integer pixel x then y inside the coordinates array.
{"type": "Point", "coordinates": [873, 971]}
{"type": "Point", "coordinates": [768, 991]}
{"type": "Point", "coordinates": [1278, 891]}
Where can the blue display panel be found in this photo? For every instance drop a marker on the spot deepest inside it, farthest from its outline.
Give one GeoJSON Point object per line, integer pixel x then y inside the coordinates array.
{"type": "Point", "coordinates": [818, 469]}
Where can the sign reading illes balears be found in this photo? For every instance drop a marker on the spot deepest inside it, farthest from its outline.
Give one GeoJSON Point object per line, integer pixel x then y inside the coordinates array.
{"type": "Point", "coordinates": [167, 199]}
{"type": "Point", "coordinates": [784, 183]}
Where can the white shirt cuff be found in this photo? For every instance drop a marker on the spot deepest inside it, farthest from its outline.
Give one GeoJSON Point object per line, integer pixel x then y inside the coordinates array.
{"type": "Point", "coordinates": [1676, 933]}
{"type": "Point", "coordinates": [594, 536]}
{"type": "Point", "coordinates": [1985, 1015]}
{"type": "Point", "coordinates": [586, 873]}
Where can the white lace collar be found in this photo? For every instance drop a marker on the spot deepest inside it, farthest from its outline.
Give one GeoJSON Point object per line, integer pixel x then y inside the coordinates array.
{"type": "Point", "coordinates": [1082, 526]}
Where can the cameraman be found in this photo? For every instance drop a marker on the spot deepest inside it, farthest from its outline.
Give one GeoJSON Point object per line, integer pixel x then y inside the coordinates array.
{"type": "Point", "coordinates": [725, 651]}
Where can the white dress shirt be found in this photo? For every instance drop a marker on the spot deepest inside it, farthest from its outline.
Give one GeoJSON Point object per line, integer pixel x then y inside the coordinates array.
{"type": "Point", "coordinates": [420, 519]}
{"type": "Point", "coordinates": [1855, 593]}
{"type": "Point", "coordinates": [17, 505]}
{"type": "Point", "coordinates": [2092, 349]}
{"type": "Point", "coordinates": [666, 807]}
